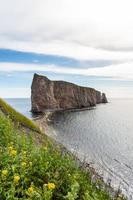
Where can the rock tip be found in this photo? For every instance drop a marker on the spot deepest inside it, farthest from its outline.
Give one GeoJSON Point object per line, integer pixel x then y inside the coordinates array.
{"type": "Point", "coordinates": [104, 98]}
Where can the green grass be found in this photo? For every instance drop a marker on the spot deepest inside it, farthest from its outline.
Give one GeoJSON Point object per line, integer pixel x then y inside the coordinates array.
{"type": "Point", "coordinates": [17, 117]}
{"type": "Point", "coordinates": [40, 172]}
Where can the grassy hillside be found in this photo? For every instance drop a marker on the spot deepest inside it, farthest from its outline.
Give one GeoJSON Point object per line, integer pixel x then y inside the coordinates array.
{"type": "Point", "coordinates": [17, 117]}
{"type": "Point", "coordinates": [39, 172]}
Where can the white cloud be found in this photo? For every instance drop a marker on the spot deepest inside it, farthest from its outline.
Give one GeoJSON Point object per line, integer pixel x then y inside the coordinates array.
{"type": "Point", "coordinates": [83, 29]}
{"type": "Point", "coordinates": [118, 71]}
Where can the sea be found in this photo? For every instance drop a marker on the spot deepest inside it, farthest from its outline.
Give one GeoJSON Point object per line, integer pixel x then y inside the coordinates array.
{"type": "Point", "coordinates": [101, 136]}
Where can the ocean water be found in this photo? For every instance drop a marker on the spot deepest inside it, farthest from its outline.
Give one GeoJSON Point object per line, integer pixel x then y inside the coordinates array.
{"type": "Point", "coordinates": [102, 136]}
{"type": "Point", "coordinates": [23, 105]}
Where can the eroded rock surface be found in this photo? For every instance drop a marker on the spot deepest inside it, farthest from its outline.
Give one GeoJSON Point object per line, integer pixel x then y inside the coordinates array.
{"type": "Point", "coordinates": [57, 95]}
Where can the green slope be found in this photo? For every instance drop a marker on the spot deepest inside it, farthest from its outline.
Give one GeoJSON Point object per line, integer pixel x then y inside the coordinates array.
{"type": "Point", "coordinates": [17, 117]}
{"type": "Point", "coordinates": [39, 172]}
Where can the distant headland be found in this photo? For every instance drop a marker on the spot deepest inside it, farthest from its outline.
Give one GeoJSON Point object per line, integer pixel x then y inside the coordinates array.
{"type": "Point", "coordinates": [61, 95]}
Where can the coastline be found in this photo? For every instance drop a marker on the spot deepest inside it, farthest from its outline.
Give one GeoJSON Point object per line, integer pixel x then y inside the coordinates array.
{"type": "Point", "coordinates": [44, 120]}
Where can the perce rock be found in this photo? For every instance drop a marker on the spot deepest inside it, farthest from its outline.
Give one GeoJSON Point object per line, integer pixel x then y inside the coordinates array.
{"type": "Point", "coordinates": [61, 95]}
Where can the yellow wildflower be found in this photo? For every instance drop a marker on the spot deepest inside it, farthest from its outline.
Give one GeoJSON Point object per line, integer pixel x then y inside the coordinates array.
{"type": "Point", "coordinates": [13, 152]}
{"type": "Point", "coordinates": [10, 148]}
{"type": "Point", "coordinates": [51, 186]}
{"type": "Point", "coordinates": [30, 190]}
{"type": "Point", "coordinates": [4, 172]}
{"type": "Point", "coordinates": [16, 179]}
{"type": "Point", "coordinates": [23, 164]}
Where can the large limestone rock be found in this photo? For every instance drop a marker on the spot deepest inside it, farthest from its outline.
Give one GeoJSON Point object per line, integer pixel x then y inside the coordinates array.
{"type": "Point", "coordinates": [57, 95]}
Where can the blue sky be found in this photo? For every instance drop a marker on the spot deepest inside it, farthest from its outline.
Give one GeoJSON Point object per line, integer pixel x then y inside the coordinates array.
{"type": "Point", "coordinates": [69, 40]}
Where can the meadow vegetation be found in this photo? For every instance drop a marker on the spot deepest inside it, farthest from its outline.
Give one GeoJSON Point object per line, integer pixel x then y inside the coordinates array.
{"type": "Point", "coordinates": [39, 172]}
{"type": "Point", "coordinates": [17, 117]}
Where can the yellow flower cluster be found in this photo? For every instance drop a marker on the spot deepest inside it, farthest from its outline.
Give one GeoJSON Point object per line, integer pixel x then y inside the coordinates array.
{"type": "Point", "coordinates": [5, 172]}
{"type": "Point", "coordinates": [30, 190]}
{"type": "Point", "coordinates": [10, 148]}
{"type": "Point", "coordinates": [12, 151]}
{"type": "Point", "coordinates": [51, 186]}
{"type": "Point", "coordinates": [16, 179]}
{"type": "Point", "coordinates": [23, 164]}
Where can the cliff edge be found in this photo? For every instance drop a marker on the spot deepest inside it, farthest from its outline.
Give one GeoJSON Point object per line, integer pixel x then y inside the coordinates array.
{"type": "Point", "coordinates": [58, 95]}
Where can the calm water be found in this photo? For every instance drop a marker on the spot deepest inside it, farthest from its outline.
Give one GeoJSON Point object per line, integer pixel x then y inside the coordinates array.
{"type": "Point", "coordinates": [102, 136]}
{"type": "Point", "coordinates": [21, 105]}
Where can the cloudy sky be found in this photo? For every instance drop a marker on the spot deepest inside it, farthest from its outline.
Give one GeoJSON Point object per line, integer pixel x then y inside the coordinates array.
{"type": "Point", "coordinates": [88, 42]}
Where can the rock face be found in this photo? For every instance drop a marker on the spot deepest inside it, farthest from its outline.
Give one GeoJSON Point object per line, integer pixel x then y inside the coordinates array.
{"type": "Point", "coordinates": [57, 95]}
{"type": "Point", "coordinates": [104, 98]}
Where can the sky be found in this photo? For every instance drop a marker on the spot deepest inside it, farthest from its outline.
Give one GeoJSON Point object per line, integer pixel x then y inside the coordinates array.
{"type": "Point", "coordinates": [86, 42]}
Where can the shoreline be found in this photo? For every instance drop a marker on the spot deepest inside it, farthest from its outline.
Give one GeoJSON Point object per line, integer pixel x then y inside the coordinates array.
{"type": "Point", "coordinates": [43, 122]}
